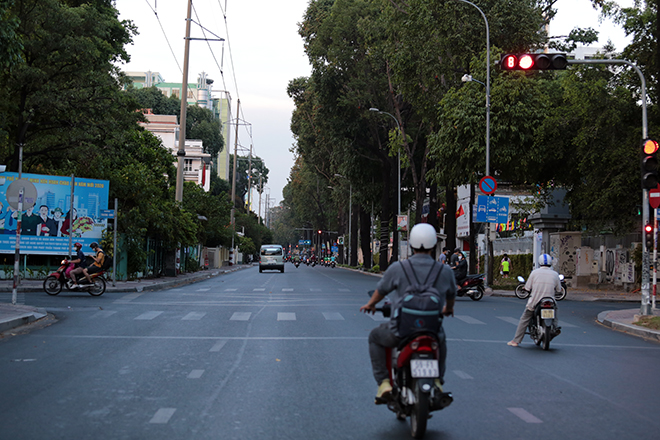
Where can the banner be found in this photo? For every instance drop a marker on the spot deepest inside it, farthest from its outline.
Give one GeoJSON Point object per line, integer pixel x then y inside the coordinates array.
{"type": "Point", "coordinates": [45, 228]}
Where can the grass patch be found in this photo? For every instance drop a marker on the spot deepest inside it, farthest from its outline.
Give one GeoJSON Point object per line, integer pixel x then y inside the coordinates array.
{"type": "Point", "coordinates": [652, 322]}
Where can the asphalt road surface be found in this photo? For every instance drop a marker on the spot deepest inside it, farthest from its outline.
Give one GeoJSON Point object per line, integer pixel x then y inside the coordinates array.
{"type": "Point", "coordinates": [284, 356]}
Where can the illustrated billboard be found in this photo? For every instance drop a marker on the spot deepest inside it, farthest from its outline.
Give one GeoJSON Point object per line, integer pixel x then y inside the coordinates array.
{"type": "Point", "coordinates": [45, 228]}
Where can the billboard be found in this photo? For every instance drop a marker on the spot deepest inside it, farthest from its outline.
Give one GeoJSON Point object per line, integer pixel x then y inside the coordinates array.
{"type": "Point", "coordinates": [46, 227]}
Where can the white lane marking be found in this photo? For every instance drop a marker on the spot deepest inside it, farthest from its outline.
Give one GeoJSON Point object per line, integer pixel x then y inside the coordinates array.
{"type": "Point", "coordinates": [287, 290]}
{"type": "Point", "coordinates": [195, 374]}
{"type": "Point", "coordinates": [469, 320]}
{"type": "Point", "coordinates": [524, 415]}
{"type": "Point", "coordinates": [377, 317]}
{"type": "Point", "coordinates": [129, 297]}
{"type": "Point", "coordinates": [204, 289]}
{"type": "Point", "coordinates": [148, 316]}
{"type": "Point", "coordinates": [314, 290]}
{"type": "Point", "coordinates": [193, 316]}
{"type": "Point", "coordinates": [241, 316]}
{"type": "Point", "coordinates": [103, 314]}
{"type": "Point", "coordinates": [462, 374]}
{"type": "Point", "coordinates": [509, 319]}
{"type": "Point", "coordinates": [163, 415]}
{"type": "Point", "coordinates": [231, 290]}
{"type": "Point", "coordinates": [258, 290]}
{"type": "Point", "coordinates": [333, 316]}
{"type": "Point", "coordinates": [281, 316]}
{"type": "Point", "coordinates": [218, 346]}
{"type": "Point", "coordinates": [566, 324]}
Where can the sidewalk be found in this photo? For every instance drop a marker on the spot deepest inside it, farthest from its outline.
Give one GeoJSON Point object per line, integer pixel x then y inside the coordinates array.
{"type": "Point", "coordinates": [12, 316]}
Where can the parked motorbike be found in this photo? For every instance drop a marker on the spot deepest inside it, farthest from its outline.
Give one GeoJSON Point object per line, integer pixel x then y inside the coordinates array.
{"type": "Point", "coordinates": [524, 294]}
{"type": "Point", "coordinates": [542, 328]}
{"type": "Point", "coordinates": [54, 282]}
{"type": "Point", "coordinates": [472, 286]}
{"type": "Point", "coordinates": [414, 366]}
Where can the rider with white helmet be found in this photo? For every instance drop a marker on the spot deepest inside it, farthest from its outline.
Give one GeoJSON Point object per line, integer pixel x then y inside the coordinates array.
{"type": "Point", "coordinates": [542, 282]}
{"type": "Point", "coordinates": [423, 240]}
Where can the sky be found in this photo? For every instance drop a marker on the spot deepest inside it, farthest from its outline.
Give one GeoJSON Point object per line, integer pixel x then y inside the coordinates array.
{"type": "Point", "coordinates": [262, 52]}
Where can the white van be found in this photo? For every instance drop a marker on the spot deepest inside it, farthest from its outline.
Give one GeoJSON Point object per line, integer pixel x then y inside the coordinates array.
{"type": "Point", "coordinates": [271, 258]}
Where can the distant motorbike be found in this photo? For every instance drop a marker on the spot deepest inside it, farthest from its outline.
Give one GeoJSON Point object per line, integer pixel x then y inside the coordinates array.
{"type": "Point", "coordinates": [543, 326]}
{"type": "Point", "coordinates": [524, 294]}
{"type": "Point", "coordinates": [54, 282]}
{"type": "Point", "coordinates": [414, 366]}
{"type": "Point", "coordinates": [472, 286]}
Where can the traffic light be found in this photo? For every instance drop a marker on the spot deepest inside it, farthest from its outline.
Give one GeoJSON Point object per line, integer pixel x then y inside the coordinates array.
{"type": "Point", "coordinates": [649, 164]}
{"type": "Point", "coordinates": [648, 236]}
{"type": "Point", "coordinates": [319, 232]}
{"type": "Point", "coordinates": [534, 61]}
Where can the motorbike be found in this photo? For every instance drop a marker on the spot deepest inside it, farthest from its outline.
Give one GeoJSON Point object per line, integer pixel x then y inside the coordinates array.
{"type": "Point", "coordinates": [56, 281]}
{"type": "Point", "coordinates": [524, 294]}
{"type": "Point", "coordinates": [542, 328]}
{"type": "Point", "coordinates": [296, 263]}
{"type": "Point", "coordinates": [414, 366]}
{"type": "Point", "coordinates": [472, 286]}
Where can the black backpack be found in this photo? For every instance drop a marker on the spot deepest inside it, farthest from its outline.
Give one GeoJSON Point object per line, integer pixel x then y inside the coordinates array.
{"type": "Point", "coordinates": [419, 310]}
{"type": "Point", "coordinates": [107, 262]}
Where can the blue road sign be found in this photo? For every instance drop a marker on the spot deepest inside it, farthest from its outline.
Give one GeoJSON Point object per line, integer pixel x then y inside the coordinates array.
{"type": "Point", "coordinates": [492, 209]}
{"type": "Point", "coordinates": [107, 213]}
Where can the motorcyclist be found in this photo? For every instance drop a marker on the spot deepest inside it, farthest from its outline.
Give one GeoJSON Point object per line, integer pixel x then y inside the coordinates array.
{"type": "Point", "coordinates": [542, 282]}
{"type": "Point", "coordinates": [460, 268]}
{"type": "Point", "coordinates": [97, 265]}
{"type": "Point", "coordinates": [394, 283]}
{"type": "Point", "coordinates": [76, 265]}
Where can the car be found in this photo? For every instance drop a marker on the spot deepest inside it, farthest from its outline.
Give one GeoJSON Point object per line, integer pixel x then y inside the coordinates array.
{"type": "Point", "coordinates": [271, 258]}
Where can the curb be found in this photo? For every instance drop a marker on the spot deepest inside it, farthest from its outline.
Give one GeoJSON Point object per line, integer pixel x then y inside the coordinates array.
{"type": "Point", "coordinates": [25, 318]}
{"type": "Point", "coordinates": [645, 333]}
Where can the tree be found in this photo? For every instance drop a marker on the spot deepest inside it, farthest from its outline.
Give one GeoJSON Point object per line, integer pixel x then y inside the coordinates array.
{"type": "Point", "coordinates": [257, 172]}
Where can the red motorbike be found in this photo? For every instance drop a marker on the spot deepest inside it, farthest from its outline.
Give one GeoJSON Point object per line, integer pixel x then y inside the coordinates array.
{"type": "Point", "coordinates": [472, 286]}
{"type": "Point", "coordinates": [414, 367]}
{"type": "Point", "coordinates": [54, 282]}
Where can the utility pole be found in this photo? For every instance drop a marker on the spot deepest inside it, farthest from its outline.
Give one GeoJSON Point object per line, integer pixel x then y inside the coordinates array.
{"type": "Point", "coordinates": [233, 180]}
{"type": "Point", "coordinates": [249, 179]}
{"type": "Point", "coordinates": [184, 106]}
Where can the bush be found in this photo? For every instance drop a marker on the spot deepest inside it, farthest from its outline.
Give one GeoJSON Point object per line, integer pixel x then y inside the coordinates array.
{"type": "Point", "coordinates": [375, 269]}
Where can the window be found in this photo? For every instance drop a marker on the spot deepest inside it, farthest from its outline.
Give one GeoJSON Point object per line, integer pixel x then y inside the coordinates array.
{"type": "Point", "coordinates": [175, 93]}
{"type": "Point", "coordinates": [187, 164]}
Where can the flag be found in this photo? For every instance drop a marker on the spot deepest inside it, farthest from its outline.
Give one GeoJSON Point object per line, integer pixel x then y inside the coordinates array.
{"type": "Point", "coordinates": [204, 174]}
{"type": "Point", "coordinates": [460, 212]}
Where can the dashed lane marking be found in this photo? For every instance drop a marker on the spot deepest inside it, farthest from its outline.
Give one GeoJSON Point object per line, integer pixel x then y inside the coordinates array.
{"type": "Point", "coordinates": [241, 316]}
{"type": "Point", "coordinates": [509, 319]}
{"type": "Point", "coordinates": [469, 319]}
{"type": "Point", "coordinates": [195, 374]}
{"type": "Point", "coordinates": [218, 346]}
{"type": "Point", "coordinates": [333, 316]}
{"type": "Point", "coordinates": [462, 374]}
{"type": "Point", "coordinates": [286, 316]}
{"type": "Point", "coordinates": [193, 316]}
{"type": "Point", "coordinates": [103, 314]}
{"type": "Point", "coordinates": [163, 415]}
{"type": "Point", "coordinates": [524, 415]}
{"type": "Point", "coordinates": [148, 316]}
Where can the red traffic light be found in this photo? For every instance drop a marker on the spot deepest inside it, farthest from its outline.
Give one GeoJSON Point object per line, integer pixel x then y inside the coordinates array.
{"type": "Point", "coordinates": [648, 228]}
{"type": "Point", "coordinates": [534, 61]}
{"type": "Point", "coordinates": [649, 146]}
{"type": "Point", "coordinates": [319, 231]}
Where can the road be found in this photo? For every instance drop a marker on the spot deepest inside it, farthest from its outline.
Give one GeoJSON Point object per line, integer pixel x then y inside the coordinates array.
{"type": "Point", "coordinates": [284, 356]}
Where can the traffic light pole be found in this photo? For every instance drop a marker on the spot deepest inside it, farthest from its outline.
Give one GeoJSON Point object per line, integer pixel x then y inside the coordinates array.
{"type": "Point", "coordinates": [646, 263]}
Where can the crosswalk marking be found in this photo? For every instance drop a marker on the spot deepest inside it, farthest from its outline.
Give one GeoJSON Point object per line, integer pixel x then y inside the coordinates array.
{"type": "Point", "coordinates": [163, 415]}
{"type": "Point", "coordinates": [195, 374]}
{"type": "Point", "coordinates": [281, 316]}
{"type": "Point", "coordinates": [566, 324]}
{"type": "Point", "coordinates": [509, 319]}
{"type": "Point", "coordinates": [524, 415]}
{"type": "Point", "coordinates": [230, 290]}
{"type": "Point", "coordinates": [103, 314]}
{"type": "Point", "coordinates": [204, 289]}
{"type": "Point", "coordinates": [218, 346]}
{"type": "Point", "coordinates": [314, 290]}
{"type": "Point", "coordinates": [241, 316]}
{"type": "Point", "coordinates": [147, 316]}
{"type": "Point", "coordinates": [258, 290]}
{"type": "Point", "coordinates": [462, 374]}
{"type": "Point", "coordinates": [287, 290]}
{"type": "Point", "coordinates": [469, 320]}
{"type": "Point", "coordinates": [193, 316]}
{"type": "Point", "coordinates": [378, 317]}
{"type": "Point", "coordinates": [333, 316]}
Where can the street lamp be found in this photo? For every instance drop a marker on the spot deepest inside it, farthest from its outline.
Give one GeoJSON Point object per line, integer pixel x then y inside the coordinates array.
{"type": "Point", "coordinates": [350, 214]}
{"type": "Point", "coordinates": [467, 78]}
{"type": "Point", "coordinates": [398, 209]}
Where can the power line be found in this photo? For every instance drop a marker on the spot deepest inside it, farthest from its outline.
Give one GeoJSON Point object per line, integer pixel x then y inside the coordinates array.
{"type": "Point", "coordinates": [164, 34]}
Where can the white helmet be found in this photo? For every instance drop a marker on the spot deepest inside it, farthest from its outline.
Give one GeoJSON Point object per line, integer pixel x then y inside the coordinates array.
{"type": "Point", "coordinates": [422, 236]}
{"type": "Point", "coordinates": [545, 260]}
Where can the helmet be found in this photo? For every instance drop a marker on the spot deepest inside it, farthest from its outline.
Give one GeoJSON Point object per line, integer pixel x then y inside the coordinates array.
{"type": "Point", "coordinates": [77, 244]}
{"type": "Point", "coordinates": [422, 236]}
{"type": "Point", "coordinates": [545, 260]}
{"type": "Point", "coordinates": [94, 245]}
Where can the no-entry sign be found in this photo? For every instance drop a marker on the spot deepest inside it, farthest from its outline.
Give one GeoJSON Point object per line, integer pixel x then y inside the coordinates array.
{"type": "Point", "coordinates": [654, 198]}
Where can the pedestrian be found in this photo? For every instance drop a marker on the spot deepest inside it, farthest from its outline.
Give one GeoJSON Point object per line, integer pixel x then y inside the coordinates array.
{"type": "Point", "coordinates": [394, 283]}
{"type": "Point", "coordinates": [443, 255]}
{"type": "Point", "coordinates": [542, 282]}
{"type": "Point", "coordinates": [505, 266]}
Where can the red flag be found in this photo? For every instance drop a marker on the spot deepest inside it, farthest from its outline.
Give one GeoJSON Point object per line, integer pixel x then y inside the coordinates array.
{"type": "Point", "coordinates": [204, 174]}
{"type": "Point", "coordinates": [460, 212]}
